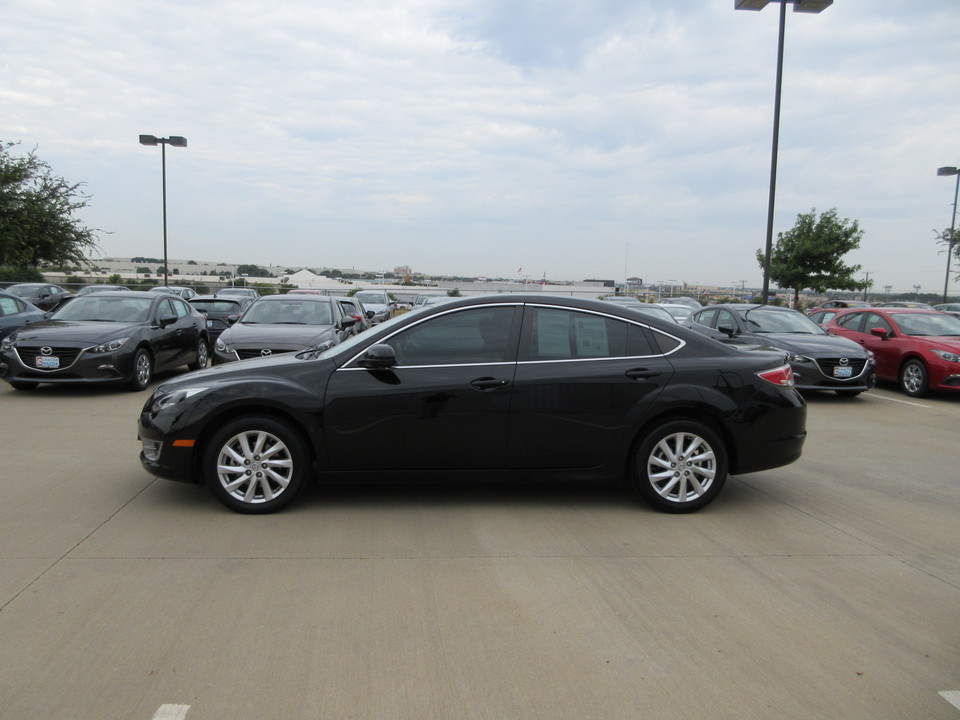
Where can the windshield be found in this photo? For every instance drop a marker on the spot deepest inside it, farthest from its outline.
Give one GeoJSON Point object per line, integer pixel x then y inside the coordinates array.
{"type": "Point", "coordinates": [107, 309]}
{"type": "Point", "coordinates": [927, 324]}
{"type": "Point", "coordinates": [765, 320]}
{"type": "Point", "coordinates": [290, 311]}
{"type": "Point", "coordinates": [372, 298]}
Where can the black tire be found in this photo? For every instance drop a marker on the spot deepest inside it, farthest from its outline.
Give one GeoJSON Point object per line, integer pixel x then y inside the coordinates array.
{"type": "Point", "coordinates": [256, 465]}
{"type": "Point", "coordinates": [680, 467]}
{"type": "Point", "coordinates": [23, 385]}
{"type": "Point", "coordinates": [848, 393]}
{"type": "Point", "coordinates": [203, 356]}
{"type": "Point", "coordinates": [142, 372]}
{"type": "Point", "coordinates": [913, 378]}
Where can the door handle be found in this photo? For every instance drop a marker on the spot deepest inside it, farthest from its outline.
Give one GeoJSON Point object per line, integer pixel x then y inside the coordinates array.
{"type": "Point", "coordinates": [484, 384]}
{"type": "Point", "coordinates": [641, 374]}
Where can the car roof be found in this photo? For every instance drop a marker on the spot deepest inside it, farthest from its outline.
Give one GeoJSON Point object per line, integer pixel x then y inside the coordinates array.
{"type": "Point", "coordinates": [299, 297]}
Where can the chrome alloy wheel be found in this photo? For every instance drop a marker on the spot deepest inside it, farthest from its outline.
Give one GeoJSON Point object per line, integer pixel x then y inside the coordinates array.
{"type": "Point", "coordinates": [681, 467]}
{"type": "Point", "coordinates": [254, 466]}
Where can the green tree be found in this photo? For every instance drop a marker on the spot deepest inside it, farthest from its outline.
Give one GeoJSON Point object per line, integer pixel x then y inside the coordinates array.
{"type": "Point", "coordinates": [950, 238]}
{"type": "Point", "coordinates": [809, 256]}
{"type": "Point", "coordinates": [37, 222]}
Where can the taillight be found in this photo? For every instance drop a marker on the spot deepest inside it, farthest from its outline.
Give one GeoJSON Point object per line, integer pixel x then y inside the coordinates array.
{"type": "Point", "coordinates": [782, 376]}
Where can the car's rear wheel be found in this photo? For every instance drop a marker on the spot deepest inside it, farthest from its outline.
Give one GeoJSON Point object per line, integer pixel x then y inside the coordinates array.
{"type": "Point", "coordinates": [681, 466]}
{"type": "Point", "coordinates": [913, 378]}
{"type": "Point", "coordinates": [203, 354]}
{"type": "Point", "coordinates": [256, 465]}
{"type": "Point", "coordinates": [142, 370]}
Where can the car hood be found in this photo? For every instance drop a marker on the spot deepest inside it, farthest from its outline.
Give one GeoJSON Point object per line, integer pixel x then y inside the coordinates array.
{"type": "Point", "coordinates": [294, 336]}
{"type": "Point", "coordinates": [74, 331]}
{"type": "Point", "coordinates": [811, 344]}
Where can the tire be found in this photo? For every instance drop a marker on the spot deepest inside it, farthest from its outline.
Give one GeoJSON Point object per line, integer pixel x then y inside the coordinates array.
{"type": "Point", "coordinates": [913, 378]}
{"type": "Point", "coordinates": [680, 467]}
{"type": "Point", "coordinates": [848, 393]}
{"type": "Point", "coordinates": [23, 385]}
{"type": "Point", "coordinates": [142, 370]}
{"type": "Point", "coordinates": [203, 355]}
{"type": "Point", "coordinates": [256, 465]}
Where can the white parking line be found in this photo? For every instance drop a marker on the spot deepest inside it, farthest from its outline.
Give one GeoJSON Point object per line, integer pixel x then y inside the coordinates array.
{"type": "Point", "coordinates": [171, 712]}
{"type": "Point", "coordinates": [952, 697]}
{"type": "Point", "coordinates": [897, 400]}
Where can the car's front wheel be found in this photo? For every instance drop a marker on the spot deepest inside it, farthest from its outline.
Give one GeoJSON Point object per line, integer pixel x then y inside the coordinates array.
{"type": "Point", "coordinates": [256, 464]}
{"type": "Point", "coordinates": [680, 466]}
{"type": "Point", "coordinates": [142, 370]}
{"type": "Point", "coordinates": [913, 378]}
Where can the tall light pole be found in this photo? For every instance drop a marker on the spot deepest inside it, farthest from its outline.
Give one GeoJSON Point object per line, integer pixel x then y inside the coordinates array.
{"type": "Point", "coordinates": [176, 141]}
{"type": "Point", "coordinates": [807, 6]}
{"type": "Point", "coordinates": [947, 171]}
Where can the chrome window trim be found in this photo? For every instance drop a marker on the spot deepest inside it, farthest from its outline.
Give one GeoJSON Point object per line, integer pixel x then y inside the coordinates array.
{"type": "Point", "coordinates": [681, 342]}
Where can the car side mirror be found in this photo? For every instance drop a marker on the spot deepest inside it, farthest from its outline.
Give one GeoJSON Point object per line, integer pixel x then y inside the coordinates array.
{"type": "Point", "coordinates": [880, 333]}
{"type": "Point", "coordinates": [370, 314]}
{"type": "Point", "coordinates": [728, 330]}
{"type": "Point", "coordinates": [231, 319]}
{"type": "Point", "coordinates": [378, 357]}
{"type": "Point", "coordinates": [348, 321]}
{"type": "Point", "coordinates": [166, 320]}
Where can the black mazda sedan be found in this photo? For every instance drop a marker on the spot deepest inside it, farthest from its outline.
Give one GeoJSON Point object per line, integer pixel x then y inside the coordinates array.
{"type": "Point", "coordinates": [528, 385]}
{"type": "Point", "coordinates": [284, 323]}
{"type": "Point", "coordinates": [115, 337]}
{"type": "Point", "coordinates": [819, 362]}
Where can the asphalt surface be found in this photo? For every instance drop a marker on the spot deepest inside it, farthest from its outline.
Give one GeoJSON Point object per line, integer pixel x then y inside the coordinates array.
{"type": "Point", "coordinates": [826, 589]}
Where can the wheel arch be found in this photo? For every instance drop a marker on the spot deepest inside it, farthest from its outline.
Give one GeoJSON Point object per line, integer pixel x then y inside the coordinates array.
{"type": "Point", "coordinates": [708, 416]}
{"type": "Point", "coordinates": [232, 412]}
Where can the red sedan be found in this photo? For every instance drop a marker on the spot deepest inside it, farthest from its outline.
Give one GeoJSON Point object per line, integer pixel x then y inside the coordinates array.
{"type": "Point", "coordinates": [919, 349]}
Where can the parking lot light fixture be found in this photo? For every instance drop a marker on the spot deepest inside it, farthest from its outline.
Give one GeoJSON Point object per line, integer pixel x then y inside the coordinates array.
{"type": "Point", "coordinates": [176, 141]}
{"type": "Point", "coordinates": [946, 172]}
{"type": "Point", "coordinates": [807, 6]}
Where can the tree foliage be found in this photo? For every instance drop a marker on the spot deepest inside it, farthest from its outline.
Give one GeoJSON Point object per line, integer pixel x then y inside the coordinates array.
{"type": "Point", "coordinates": [950, 238]}
{"type": "Point", "coordinates": [37, 222]}
{"type": "Point", "coordinates": [809, 256]}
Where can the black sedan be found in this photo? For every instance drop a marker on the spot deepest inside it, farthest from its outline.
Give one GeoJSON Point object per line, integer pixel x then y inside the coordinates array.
{"type": "Point", "coordinates": [45, 296]}
{"type": "Point", "coordinates": [819, 362]}
{"type": "Point", "coordinates": [15, 312]}
{"type": "Point", "coordinates": [119, 337]}
{"type": "Point", "coordinates": [284, 323]}
{"type": "Point", "coordinates": [220, 311]}
{"type": "Point", "coordinates": [518, 385]}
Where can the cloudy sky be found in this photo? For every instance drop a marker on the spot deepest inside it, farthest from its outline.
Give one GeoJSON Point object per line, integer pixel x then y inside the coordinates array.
{"type": "Point", "coordinates": [569, 138]}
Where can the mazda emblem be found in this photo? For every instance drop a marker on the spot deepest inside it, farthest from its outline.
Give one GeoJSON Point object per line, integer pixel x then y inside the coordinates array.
{"type": "Point", "coordinates": [46, 351]}
{"type": "Point", "coordinates": [265, 352]}
{"type": "Point", "coordinates": [844, 361]}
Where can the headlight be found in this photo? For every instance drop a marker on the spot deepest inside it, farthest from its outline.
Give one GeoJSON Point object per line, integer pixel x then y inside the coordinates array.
{"type": "Point", "coordinates": [794, 358]}
{"type": "Point", "coordinates": [223, 347]}
{"type": "Point", "coordinates": [164, 401]}
{"type": "Point", "coordinates": [109, 346]}
{"type": "Point", "coordinates": [947, 355]}
{"type": "Point", "coordinates": [7, 343]}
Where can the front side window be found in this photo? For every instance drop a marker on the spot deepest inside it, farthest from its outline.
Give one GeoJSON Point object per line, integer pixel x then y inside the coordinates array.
{"type": "Point", "coordinates": [476, 335]}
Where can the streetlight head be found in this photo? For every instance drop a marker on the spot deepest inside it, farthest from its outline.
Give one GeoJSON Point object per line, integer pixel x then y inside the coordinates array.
{"type": "Point", "coordinates": [812, 6]}
{"type": "Point", "coordinates": [177, 141]}
{"type": "Point", "coordinates": [148, 140]}
{"type": "Point", "coordinates": [749, 4]}
{"type": "Point", "coordinates": [949, 170]}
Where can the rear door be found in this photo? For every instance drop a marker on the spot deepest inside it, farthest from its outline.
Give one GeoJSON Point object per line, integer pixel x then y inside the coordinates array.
{"type": "Point", "coordinates": [584, 382]}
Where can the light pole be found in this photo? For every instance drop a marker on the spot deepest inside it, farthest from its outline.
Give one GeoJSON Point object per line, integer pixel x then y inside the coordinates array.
{"type": "Point", "coordinates": [947, 171]}
{"type": "Point", "coordinates": [807, 6]}
{"type": "Point", "coordinates": [176, 141]}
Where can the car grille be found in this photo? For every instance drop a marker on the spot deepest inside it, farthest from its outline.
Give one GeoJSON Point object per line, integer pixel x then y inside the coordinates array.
{"type": "Point", "coordinates": [247, 353]}
{"type": "Point", "coordinates": [28, 356]}
{"type": "Point", "coordinates": [826, 366]}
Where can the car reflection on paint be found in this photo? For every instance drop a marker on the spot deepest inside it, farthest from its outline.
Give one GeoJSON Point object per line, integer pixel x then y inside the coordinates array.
{"type": "Point", "coordinates": [522, 386]}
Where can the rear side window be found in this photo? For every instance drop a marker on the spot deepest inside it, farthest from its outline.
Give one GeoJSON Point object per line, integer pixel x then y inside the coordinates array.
{"type": "Point", "coordinates": [851, 321]}
{"type": "Point", "coordinates": [553, 334]}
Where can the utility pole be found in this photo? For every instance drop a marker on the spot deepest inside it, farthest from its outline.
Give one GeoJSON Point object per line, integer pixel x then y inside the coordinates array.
{"type": "Point", "coordinates": [866, 288]}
